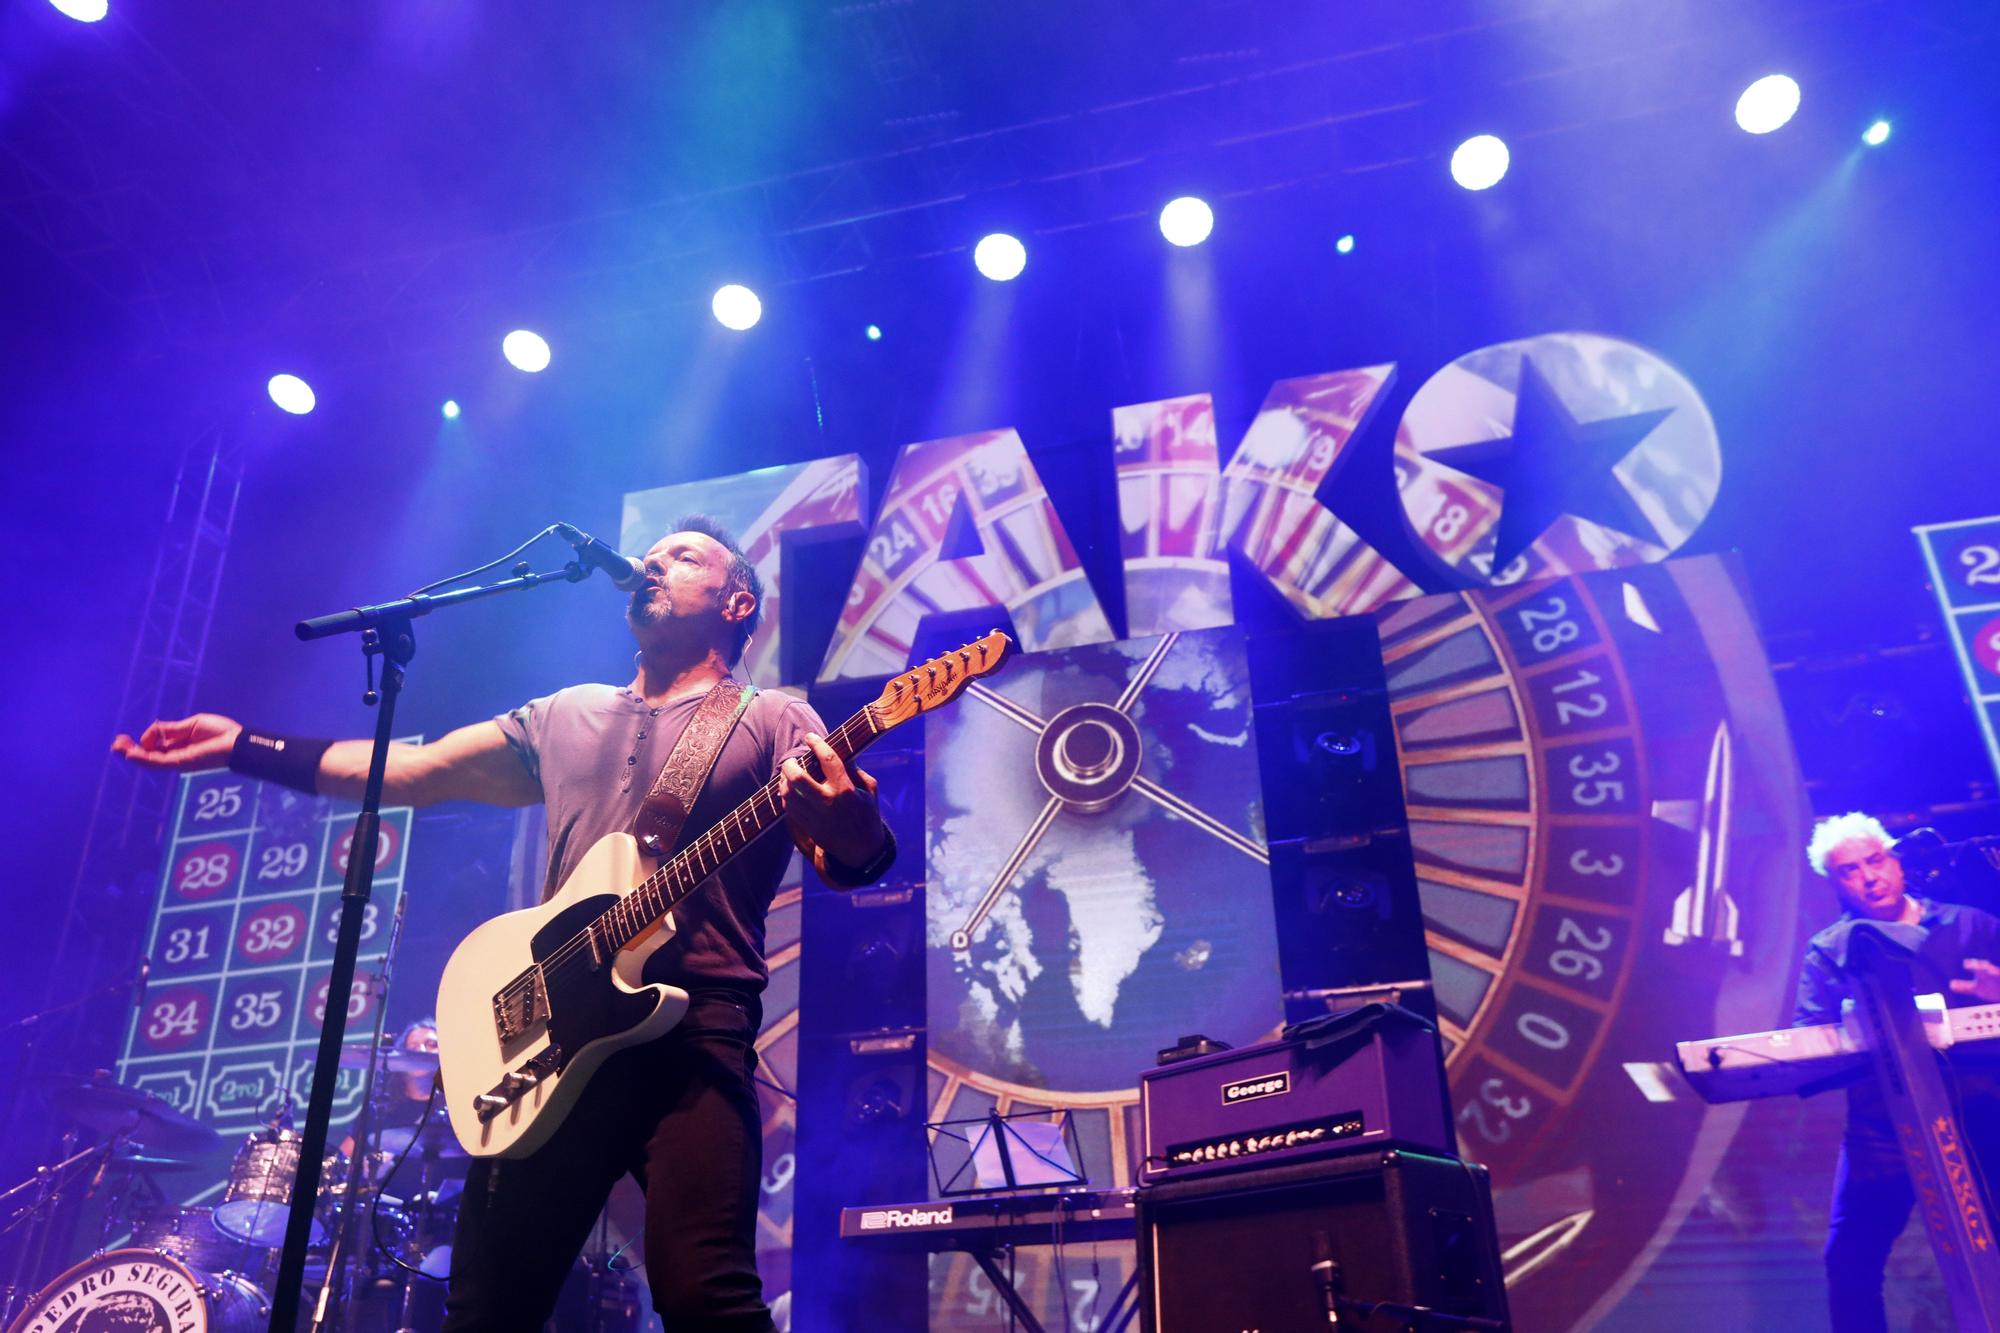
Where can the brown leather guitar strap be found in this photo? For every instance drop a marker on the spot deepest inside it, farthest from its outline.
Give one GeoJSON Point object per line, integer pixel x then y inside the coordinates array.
{"type": "Point", "coordinates": [682, 777]}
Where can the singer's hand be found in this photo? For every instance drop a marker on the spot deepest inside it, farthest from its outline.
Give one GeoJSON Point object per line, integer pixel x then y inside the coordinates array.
{"type": "Point", "coordinates": [836, 816]}
{"type": "Point", "coordinates": [1984, 982]}
{"type": "Point", "coordinates": [201, 741]}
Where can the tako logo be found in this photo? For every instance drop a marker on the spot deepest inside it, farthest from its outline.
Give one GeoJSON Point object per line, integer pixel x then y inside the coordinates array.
{"type": "Point", "coordinates": [1529, 459]}
{"type": "Point", "coordinates": [1250, 1089]}
{"type": "Point", "coordinates": [124, 1289]}
{"type": "Point", "coordinates": [889, 1219]}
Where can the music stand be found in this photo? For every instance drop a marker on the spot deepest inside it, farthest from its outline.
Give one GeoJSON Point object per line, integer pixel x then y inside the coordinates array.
{"type": "Point", "coordinates": [1024, 1150]}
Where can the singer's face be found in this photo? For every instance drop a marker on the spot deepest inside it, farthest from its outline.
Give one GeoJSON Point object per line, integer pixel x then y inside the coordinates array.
{"type": "Point", "coordinates": [687, 583]}
{"type": "Point", "coordinates": [1868, 878]}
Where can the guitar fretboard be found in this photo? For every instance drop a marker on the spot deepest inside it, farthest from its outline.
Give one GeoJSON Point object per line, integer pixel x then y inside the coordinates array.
{"type": "Point", "coordinates": [634, 914]}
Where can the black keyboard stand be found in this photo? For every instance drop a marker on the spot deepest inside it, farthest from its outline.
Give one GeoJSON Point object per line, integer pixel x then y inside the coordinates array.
{"type": "Point", "coordinates": [1115, 1319]}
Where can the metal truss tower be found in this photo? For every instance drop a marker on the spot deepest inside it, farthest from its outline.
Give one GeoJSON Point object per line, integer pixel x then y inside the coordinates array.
{"type": "Point", "coordinates": [85, 1005]}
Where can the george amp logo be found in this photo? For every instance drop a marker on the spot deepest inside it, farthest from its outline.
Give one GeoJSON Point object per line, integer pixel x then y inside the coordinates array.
{"type": "Point", "coordinates": [887, 1219]}
{"type": "Point", "coordinates": [1250, 1089]}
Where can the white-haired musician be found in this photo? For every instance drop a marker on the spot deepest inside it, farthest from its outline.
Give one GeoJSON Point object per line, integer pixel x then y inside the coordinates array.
{"type": "Point", "coordinates": [1872, 1196]}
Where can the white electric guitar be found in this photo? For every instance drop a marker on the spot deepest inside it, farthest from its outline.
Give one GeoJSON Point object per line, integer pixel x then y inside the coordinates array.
{"type": "Point", "coordinates": [533, 1002]}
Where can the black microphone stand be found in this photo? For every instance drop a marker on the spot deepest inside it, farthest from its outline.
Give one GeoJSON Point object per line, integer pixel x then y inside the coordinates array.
{"type": "Point", "coordinates": [385, 633]}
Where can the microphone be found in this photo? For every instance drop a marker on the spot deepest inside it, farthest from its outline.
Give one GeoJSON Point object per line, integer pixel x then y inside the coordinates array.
{"type": "Point", "coordinates": [1925, 853]}
{"type": "Point", "coordinates": [625, 572]}
{"type": "Point", "coordinates": [1326, 1271]}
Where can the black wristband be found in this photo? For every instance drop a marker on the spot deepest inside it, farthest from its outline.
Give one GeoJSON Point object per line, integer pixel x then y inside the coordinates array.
{"type": "Point", "coordinates": [845, 876]}
{"type": "Point", "coordinates": [289, 761]}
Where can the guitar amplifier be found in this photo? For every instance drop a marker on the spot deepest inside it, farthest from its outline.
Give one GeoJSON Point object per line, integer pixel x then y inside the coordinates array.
{"type": "Point", "coordinates": [1243, 1251]}
{"type": "Point", "coordinates": [1285, 1100]}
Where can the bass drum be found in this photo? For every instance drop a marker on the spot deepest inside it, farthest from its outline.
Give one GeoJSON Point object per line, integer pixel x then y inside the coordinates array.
{"type": "Point", "coordinates": [144, 1291]}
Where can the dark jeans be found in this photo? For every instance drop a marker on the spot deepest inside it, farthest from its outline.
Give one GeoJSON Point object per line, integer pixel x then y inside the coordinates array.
{"type": "Point", "coordinates": [680, 1114]}
{"type": "Point", "coordinates": [1872, 1199]}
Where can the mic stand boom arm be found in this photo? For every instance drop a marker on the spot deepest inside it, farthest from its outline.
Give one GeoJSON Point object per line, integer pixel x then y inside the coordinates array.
{"type": "Point", "coordinates": [363, 618]}
{"type": "Point", "coordinates": [385, 633]}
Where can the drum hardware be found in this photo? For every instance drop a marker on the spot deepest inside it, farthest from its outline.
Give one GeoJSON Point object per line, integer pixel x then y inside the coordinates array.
{"type": "Point", "coordinates": [40, 1194]}
{"type": "Point", "coordinates": [123, 1117]}
{"type": "Point", "coordinates": [417, 1254]}
{"type": "Point", "coordinates": [360, 1186]}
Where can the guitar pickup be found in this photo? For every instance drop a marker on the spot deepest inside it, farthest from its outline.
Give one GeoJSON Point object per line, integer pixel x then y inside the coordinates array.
{"type": "Point", "coordinates": [520, 1005]}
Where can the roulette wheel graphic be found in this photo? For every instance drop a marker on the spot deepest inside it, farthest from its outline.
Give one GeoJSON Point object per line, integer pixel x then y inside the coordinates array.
{"type": "Point", "coordinates": [1606, 818]}
{"type": "Point", "coordinates": [1097, 880]}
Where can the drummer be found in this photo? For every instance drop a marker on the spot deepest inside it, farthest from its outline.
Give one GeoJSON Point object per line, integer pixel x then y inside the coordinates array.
{"type": "Point", "coordinates": [419, 1038]}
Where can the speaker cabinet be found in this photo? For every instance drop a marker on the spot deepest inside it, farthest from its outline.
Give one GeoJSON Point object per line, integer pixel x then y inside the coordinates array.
{"type": "Point", "coordinates": [1236, 1254]}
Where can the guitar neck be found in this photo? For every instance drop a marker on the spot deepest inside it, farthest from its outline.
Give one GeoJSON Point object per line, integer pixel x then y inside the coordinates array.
{"type": "Point", "coordinates": [637, 912]}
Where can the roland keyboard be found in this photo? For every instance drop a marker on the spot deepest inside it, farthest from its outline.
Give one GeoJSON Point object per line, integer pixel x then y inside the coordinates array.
{"type": "Point", "coordinates": [1796, 1060]}
{"type": "Point", "coordinates": [989, 1220]}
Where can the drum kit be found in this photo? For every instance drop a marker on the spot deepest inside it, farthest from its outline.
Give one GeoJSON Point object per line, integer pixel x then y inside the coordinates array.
{"type": "Point", "coordinates": [390, 1201]}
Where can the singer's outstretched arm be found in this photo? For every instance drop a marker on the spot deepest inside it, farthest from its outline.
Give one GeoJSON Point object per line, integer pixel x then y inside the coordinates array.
{"type": "Point", "coordinates": [473, 763]}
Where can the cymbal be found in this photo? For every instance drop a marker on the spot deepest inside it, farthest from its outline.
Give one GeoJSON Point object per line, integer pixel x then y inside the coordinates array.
{"type": "Point", "coordinates": [114, 1110]}
{"type": "Point", "coordinates": [394, 1061]}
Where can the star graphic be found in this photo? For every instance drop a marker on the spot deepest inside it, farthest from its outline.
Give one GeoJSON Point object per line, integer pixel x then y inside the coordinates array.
{"type": "Point", "coordinates": [1552, 464]}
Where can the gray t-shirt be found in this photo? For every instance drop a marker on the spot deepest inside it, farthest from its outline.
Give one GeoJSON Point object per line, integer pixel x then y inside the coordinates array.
{"type": "Point", "coordinates": [596, 750]}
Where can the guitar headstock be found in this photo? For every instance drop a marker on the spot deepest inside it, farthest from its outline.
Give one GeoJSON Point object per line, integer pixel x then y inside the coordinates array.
{"type": "Point", "coordinates": [940, 680]}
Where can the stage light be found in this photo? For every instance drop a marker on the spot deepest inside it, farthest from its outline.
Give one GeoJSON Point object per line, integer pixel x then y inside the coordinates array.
{"type": "Point", "coordinates": [874, 332]}
{"type": "Point", "coordinates": [291, 393]}
{"type": "Point", "coordinates": [1000, 257]}
{"type": "Point", "coordinates": [83, 11]}
{"type": "Point", "coordinates": [525, 351]}
{"type": "Point", "coordinates": [1345, 245]}
{"type": "Point", "coordinates": [1876, 135]}
{"type": "Point", "coordinates": [1479, 162]}
{"type": "Point", "coordinates": [451, 409]}
{"type": "Point", "coordinates": [736, 307]}
{"type": "Point", "coordinates": [1186, 221]}
{"type": "Point", "coordinates": [1767, 104]}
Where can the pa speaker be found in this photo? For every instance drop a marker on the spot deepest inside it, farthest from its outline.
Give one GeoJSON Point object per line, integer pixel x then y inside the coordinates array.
{"type": "Point", "coordinates": [1248, 1252]}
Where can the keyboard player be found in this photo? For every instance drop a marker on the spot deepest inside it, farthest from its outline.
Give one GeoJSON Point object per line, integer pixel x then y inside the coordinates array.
{"type": "Point", "coordinates": [1872, 1196]}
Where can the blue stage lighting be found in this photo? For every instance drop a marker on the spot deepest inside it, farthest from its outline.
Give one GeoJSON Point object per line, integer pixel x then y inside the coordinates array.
{"type": "Point", "coordinates": [83, 11]}
{"type": "Point", "coordinates": [736, 307]}
{"type": "Point", "coordinates": [1345, 244]}
{"type": "Point", "coordinates": [1479, 162]}
{"type": "Point", "coordinates": [291, 393]}
{"type": "Point", "coordinates": [874, 332]}
{"type": "Point", "coordinates": [525, 351]}
{"type": "Point", "coordinates": [451, 409]}
{"type": "Point", "coordinates": [1767, 104]}
{"type": "Point", "coordinates": [1876, 135]}
{"type": "Point", "coordinates": [1186, 221]}
{"type": "Point", "coordinates": [1000, 257]}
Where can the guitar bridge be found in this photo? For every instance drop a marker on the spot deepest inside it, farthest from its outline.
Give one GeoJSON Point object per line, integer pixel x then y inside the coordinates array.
{"type": "Point", "coordinates": [521, 1081]}
{"type": "Point", "coordinates": [520, 1005]}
